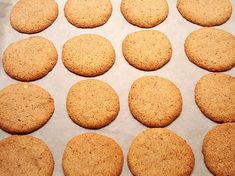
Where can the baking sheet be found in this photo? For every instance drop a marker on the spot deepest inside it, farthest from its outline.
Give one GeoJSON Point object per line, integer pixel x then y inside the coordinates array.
{"type": "Point", "coordinates": [191, 125]}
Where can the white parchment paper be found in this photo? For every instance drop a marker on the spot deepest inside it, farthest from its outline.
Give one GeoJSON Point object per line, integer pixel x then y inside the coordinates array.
{"type": "Point", "coordinates": [192, 125]}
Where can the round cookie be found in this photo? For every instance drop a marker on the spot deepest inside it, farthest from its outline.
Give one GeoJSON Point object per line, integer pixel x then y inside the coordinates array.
{"type": "Point", "coordinates": [29, 59]}
{"type": "Point", "coordinates": [219, 149]}
{"type": "Point", "coordinates": [147, 50]}
{"type": "Point", "coordinates": [215, 96]}
{"type": "Point", "coordinates": [24, 108]}
{"type": "Point", "coordinates": [92, 103]}
{"type": "Point", "coordinates": [145, 13]}
{"type": "Point", "coordinates": [92, 154]}
{"type": "Point", "coordinates": [159, 151]}
{"type": "Point", "coordinates": [25, 156]}
{"type": "Point", "coordinates": [88, 55]}
{"type": "Point", "coordinates": [32, 16]}
{"type": "Point", "coordinates": [211, 49]}
{"type": "Point", "coordinates": [205, 12]}
{"type": "Point", "coordinates": [88, 14]}
{"type": "Point", "coordinates": [154, 101]}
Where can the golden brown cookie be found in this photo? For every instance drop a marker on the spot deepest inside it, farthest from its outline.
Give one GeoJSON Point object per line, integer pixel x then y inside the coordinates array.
{"type": "Point", "coordinates": [155, 101]}
{"type": "Point", "coordinates": [205, 12]}
{"type": "Point", "coordinates": [88, 14]}
{"type": "Point", "coordinates": [24, 108]}
{"type": "Point", "coordinates": [29, 59]}
{"type": "Point", "coordinates": [211, 49]}
{"type": "Point", "coordinates": [145, 13]}
{"type": "Point", "coordinates": [92, 103]}
{"type": "Point", "coordinates": [159, 151]}
{"type": "Point", "coordinates": [147, 50]}
{"type": "Point", "coordinates": [215, 96]}
{"type": "Point", "coordinates": [219, 150]}
{"type": "Point", "coordinates": [92, 154]}
{"type": "Point", "coordinates": [25, 156]}
{"type": "Point", "coordinates": [88, 55]}
{"type": "Point", "coordinates": [32, 16]}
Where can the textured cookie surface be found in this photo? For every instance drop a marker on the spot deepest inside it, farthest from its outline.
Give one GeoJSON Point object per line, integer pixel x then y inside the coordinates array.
{"type": "Point", "coordinates": [215, 96]}
{"type": "Point", "coordinates": [205, 12]}
{"type": "Point", "coordinates": [155, 101]}
{"type": "Point", "coordinates": [219, 149]}
{"type": "Point", "coordinates": [32, 16]}
{"type": "Point", "coordinates": [29, 59]}
{"type": "Point", "coordinates": [92, 155]}
{"type": "Point", "coordinates": [144, 13]}
{"type": "Point", "coordinates": [24, 108]}
{"type": "Point", "coordinates": [88, 55]}
{"type": "Point", "coordinates": [147, 50]}
{"type": "Point", "coordinates": [92, 103]}
{"type": "Point", "coordinates": [25, 156]}
{"type": "Point", "coordinates": [88, 14]}
{"type": "Point", "coordinates": [159, 151]}
{"type": "Point", "coordinates": [211, 49]}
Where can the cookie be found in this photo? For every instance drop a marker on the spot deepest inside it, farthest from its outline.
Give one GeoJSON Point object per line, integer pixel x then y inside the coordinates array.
{"type": "Point", "coordinates": [159, 151]}
{"type": "Point", "coordinates": [24, 108]}
{"type": "Point", "coordinates": [88, 55]}
{"type": "Point", "coordinates": [92, 103]}
{"type": "Point", "coordinates": [25, 156]}
{"type": "Point", "coordinates": [88, 14]}
{"type": "Point", "coordinates": [154, 101]}
{"type": "Point", "coordinates": [219, 149]}
{"type": "Point", "coordinates": [32, 16]}
{"type": "Point", "coordinates": [205, 12]}
{"type": "Point", "coordinates": [29, 59]}
{"type": "Point", "coordinates": [215, 96]}
{"type": "Point", "coordinates": [211, 49]}
{"type": "Point", "coordinates": [147, 50]}
{"type": "Point", "coordinates": [92, 154]}
{"type": "Point", "coordinates": [145, 13]}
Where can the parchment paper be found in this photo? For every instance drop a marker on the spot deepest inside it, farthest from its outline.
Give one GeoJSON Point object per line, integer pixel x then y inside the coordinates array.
{"type": "Point", "coordinates": [192, 125]}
